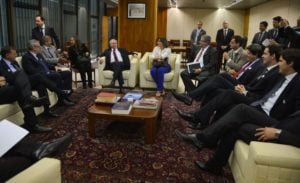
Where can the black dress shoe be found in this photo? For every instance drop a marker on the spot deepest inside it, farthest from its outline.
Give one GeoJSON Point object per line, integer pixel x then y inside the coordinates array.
{"type": "Point", "coordinates": [36, 102]}
{"type": "Point", "coordinates": [184, 115]}
{"type": "Point", "coordinates": [66, 92]}
{"type": "Point", "coordinates": [53, 147]}
{"type": "Point", "coordinates": [196, 126]}
{"type": "Point", "coordinates": [65, 102]}
{"type": "Point", "coordinates": [39, 129]}
{"type": "Point", "coordinates": [183, 98]}
{"type": "Point", "coordinates": [51, 114]}
{"type": "Point", "coordinates": [191, 138]}
{"type": "Point", "coordinates": [209, 168]}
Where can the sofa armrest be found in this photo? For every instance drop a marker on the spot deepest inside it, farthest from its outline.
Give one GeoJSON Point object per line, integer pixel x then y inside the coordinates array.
{"type": "Point", "coordinates": [46, 170]}
{"type": "Point", "coordinates": [134, 69]}
{"type": "Point", "coordinates": [144, 63]}
{"type": "Point", "coordinates": [277, 155]}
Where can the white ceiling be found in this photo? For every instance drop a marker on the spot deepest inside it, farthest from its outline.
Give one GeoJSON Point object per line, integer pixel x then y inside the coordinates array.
{"type": "Point", "coordinates": [243, 4]}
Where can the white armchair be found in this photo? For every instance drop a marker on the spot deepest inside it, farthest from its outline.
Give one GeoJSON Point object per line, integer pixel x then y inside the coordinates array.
{"type": "Point", "coordinates": [130, 76]}
{"type": "Point", "coordinates": [170, 79]}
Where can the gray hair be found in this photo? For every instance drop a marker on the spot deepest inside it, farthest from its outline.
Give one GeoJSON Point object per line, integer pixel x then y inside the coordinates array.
{"type": "Point", "coordinates": [206, 38]}
{"type": "Point", "coordinates": [30, 43]}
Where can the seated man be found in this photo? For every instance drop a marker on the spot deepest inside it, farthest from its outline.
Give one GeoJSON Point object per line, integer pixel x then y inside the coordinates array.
{"type": "Point", "coordinates": [272, 114]}
{"type": "Point", "coordinates": [15, 86]}
{"type": "Point", "coordinates": [226, 99]}
{"type": "Point", "coordinates": [245, 75]}
{"type": "Point", "coordinates": [116, 60]}
{"type": "Point", "coordinates": [207, 57]}
{"type": "Point", "coordinates": [36, 68]}
{"type": "Point", "coordinates": [27, 152]}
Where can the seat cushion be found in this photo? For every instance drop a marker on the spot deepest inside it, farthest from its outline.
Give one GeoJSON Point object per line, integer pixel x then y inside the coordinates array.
{"type": "Point", "coordinates": [9, 110]}
{"type": "Point", "coordinates": [167, 77]}
{"type": "Point", "coordinates": [109, 74]}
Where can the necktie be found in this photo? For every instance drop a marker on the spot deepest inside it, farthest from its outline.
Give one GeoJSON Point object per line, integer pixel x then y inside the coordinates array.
{"type": "Point", "coordinates": [115, 55]}
{"type": "Point", "coordinates": [225, 32]}
{"type": "Point", "coordinates": [199, 56]}
{"type": "Point", "coordinates": [42, 32]}
{"type": "Point", "coordinates": [44, 66]}
{"type": "Point", "coordinates": [242, 70]}
{"type": "Point", "coordinates": [16, 66]}
{"type": "Point", "coordinates": [50, 54]}
{"type": "Point", "coordinates": [269, 94]}
{"type": "Point", "coordinates": [275, 34]}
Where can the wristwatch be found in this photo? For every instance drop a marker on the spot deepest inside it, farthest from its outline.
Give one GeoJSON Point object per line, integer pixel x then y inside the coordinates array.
{"type": "Point", "coordinates": [277, 133]}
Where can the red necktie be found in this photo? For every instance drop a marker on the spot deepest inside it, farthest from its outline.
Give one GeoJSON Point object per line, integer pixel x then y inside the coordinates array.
{"type": "Point", "coordinates": [115, 55]}
{"type": "Point", "coordinates": [242, 69]}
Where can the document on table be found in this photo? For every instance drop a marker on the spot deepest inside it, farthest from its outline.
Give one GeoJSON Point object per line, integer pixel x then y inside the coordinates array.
{"type": "Point", "coordinates": [10, 135]}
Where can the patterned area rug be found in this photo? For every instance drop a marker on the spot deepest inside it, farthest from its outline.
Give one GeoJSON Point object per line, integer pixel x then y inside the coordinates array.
{"type": "Point", "coordinates": [118, 153]}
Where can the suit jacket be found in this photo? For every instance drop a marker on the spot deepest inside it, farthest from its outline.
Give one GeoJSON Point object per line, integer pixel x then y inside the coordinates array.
{"type": "Point", "coordinates": [52, 57]}
{"type": "Point", "coordinates": [209, 60]}
{"type": "Point", "coordinates": [194, 34]}
{"type": "Point", "coordinates": [31, 65]}
{"type": "Point", "coordinates": [224, 41]}
{"type": "Point", "coordinates": [256, 36]}
{"type": "Point", "coordinates": [289, 100]}
{"type": "Point", "coordinates": [262, 84]}
{"type": "Point", "coordinates": [36, 34]}
{"type": "Point", "coordinates": [6, 72]}
{"type": "Point", "coordinates": [239, 60]}
{"type": "Point", "coordinates": [251, 73]}
{"type": "Point", "coordinates": [271, 34]}
{"type": "Point", "coordinates": [124, 55]}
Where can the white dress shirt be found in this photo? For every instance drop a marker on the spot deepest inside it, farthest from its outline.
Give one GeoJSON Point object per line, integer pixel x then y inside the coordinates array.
{"type": "Point", "coordinates": [161, 53]}
{"type": "Point", "coordinates": [268, 105]}
{"type": "Point", "coordinates": [9, 64]}
{"type": "Point", "coordinates": [118, 54]}
{"type": "Point", "coordinates": [200, 60]}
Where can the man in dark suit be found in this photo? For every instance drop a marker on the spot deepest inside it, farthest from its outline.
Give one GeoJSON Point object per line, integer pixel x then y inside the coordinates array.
{"type": "Point", "coordinates": [223, 39]}
{"type": "Point", "coordinates": [197, 33]}
{"type": "Point", "coordinates": [15, 86]}
{"type": "Point", "coordinates": [42, 30]}
{"type": "Point", "coordinates": [274, 33]}
{"type": "Point", "coordinates": [260, 36]}
{"type": "Point", "coordinates": [116, 60]}
{"type": "Point", "coordinates": [244, 76]}
{"type": "Point", "coordinates": [27, 152]}
{"type": "Point", "coordinates": [278, 104]}
{"type": "Point", "coordinates": [207, 57]}
{"type": "Point", "coordinates": [226, 99]}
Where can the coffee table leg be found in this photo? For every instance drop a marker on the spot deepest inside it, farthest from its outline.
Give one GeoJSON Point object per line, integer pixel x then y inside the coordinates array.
{"type": "Point", "coordinates": [150, 127]}
{"type": "Point", "coordinates": [91, 125]}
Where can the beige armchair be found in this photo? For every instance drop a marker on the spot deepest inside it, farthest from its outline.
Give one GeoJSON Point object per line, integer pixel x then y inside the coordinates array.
{"type": "Point", "coordinates": [170, 79]}
{"type": "Point", "coordinates": [130, 76]}
{"type": "Point", "coordinates": [262, 162]}
{"type": "Point", "coordinates": [46, 170]}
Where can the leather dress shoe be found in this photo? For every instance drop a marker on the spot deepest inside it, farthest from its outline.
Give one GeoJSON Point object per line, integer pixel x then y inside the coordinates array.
{"type": "Point", "coordinates": [190, 138]}
{"type": "Point", "coordinates": [209, 168]}
{"type": "Point", "coordinates": [66, 92]}
{"type": "Point", "coordinates": [53, 147]}
{"type": "Point", "coordinates": [196, 126]}
{"type": "Point", "coordinates": [35, 102]}
{"type": "Point", "coordinates": [184, 115]}
{"type": "Point", "coordinates": [183, 98]}
{"type": "Point", "coordinates": [39, 129]}
{"type": "Point", "coordinates": [65, 102]}
{"type": "Point", "coordinates": [51, 114]}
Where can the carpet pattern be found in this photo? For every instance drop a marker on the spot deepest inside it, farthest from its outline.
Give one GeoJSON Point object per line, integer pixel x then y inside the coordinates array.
{"type": "Point", "coordinates": [118, 153]}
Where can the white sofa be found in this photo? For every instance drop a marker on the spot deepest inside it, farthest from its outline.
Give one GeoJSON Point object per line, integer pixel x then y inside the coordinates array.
{"type": "Point", "coordinates": [130, 76]}
{"type": "Point", "coordinates": [47, 170]}
{"type": "Point", "coordinates": [171, 79]}
{"type": "Point", "coordinates": [262, 162]}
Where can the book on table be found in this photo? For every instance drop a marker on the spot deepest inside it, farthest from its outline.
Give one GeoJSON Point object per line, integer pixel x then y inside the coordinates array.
{"type": "Point", "coordinates": [121, 108]}
{"type": "Point", "coordinates": [146, 103]}
{"type": "Point", "coordinates": [192, 66]}
{"type": "Point", "coordinates": [107, 97]}
{"type": "Point", "coordinates": [132, 96]}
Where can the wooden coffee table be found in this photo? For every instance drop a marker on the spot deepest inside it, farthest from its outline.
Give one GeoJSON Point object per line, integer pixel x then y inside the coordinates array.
{"type": "Point", "coordinates": [149, 117]}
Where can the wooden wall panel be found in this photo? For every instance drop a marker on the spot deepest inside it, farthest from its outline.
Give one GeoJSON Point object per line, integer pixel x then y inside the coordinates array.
{"type": "Point", "coordinates": [162, 15]}
{"type": "Point", "coordinates": [138, 34]}
{"type": "Point", "coordinates": [246, 23]}
{"type": "Point", "coordinates": [104, 33]}
{"type": "Point", "coordinates": [112, 12]}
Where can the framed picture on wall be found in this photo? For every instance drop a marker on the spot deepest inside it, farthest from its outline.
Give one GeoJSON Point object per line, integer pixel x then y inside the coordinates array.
{"type": "Point", "coordinates": [136, 10]}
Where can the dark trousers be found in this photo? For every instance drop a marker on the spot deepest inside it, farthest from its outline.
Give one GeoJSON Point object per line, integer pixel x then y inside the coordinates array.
{"type": "Point", "coordinates": [62, 79]}
{"type": "Point", "coordinates": [85, 68]}
{"type": "Point", "coordinates": [187, 79]}
{"type": "Point", "coordinates": [117, 68]}
{"type": "Point", "coordinates": [17, 159]}
{"type": "Point", "coordinates": [158, 73]}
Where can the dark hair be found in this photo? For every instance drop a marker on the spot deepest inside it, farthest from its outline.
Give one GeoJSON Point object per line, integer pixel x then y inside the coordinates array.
{"type": "Point", "coordinates": [265, 23]}
{"type": "Point", "coordinates": [255, 49]}
{"type": "Point", "coordinates": [5, 50]}
{"type": "Point", "coordinates": [277, 18]}
{"type": "Point", "coordinates": [275, 50]}
{"type": "Point", "coordinates": [42, 18]}
{"type": "Point", "coordinates": [292, 55]}
{"type": "Point", "coordinates": [238, 39]}
{"type": "Point", "coordinates": [163, 41]}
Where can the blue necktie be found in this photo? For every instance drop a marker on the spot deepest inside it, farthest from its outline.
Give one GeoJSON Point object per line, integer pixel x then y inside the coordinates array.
{"type": "Point", "coordinates": [44, 66]}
